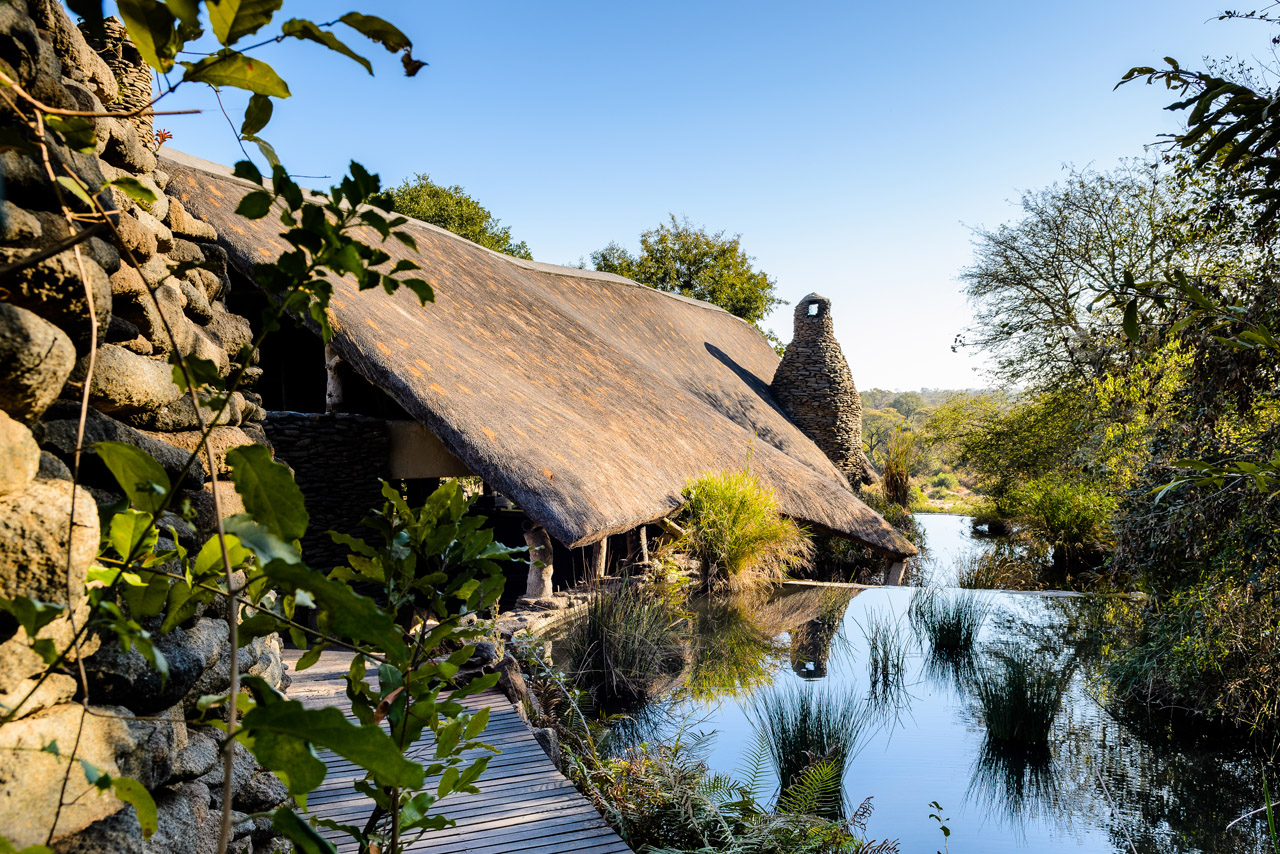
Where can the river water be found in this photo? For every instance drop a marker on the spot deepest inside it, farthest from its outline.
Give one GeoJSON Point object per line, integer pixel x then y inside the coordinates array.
{"type": "Point", "coordinates": [1103, 786]}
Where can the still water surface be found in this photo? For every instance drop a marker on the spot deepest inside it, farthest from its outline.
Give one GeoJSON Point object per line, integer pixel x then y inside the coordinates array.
{"type": "Point", "coordinates": [1103, 784]}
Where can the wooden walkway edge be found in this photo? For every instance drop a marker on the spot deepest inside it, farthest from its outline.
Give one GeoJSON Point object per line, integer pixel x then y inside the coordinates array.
{"type": "Point", "coordinates": [525, 804]}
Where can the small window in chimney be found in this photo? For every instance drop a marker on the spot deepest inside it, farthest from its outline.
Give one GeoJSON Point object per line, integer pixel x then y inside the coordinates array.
{"type": "Point", "coordinates": [815, 309]}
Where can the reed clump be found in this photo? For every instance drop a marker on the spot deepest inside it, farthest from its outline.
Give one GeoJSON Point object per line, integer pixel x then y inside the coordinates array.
{"type": "Point", "coordinates": [738, 533]}
{"type": "Point", "coordinates": [805, 726]}
{"type": "Point", "coordinates": [629, 644]}
{"type": "Point", "coordinates": [949, 622]}
{"type": "Point", "coordinates": [899, 457]}
{"type": "Point", "coordinates": [998, 569]}
{"type": "Point", "coordinates": [1020, 695]}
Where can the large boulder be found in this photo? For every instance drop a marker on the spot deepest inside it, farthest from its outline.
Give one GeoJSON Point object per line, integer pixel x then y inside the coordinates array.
{"type": "Point", "coordinates": [117, 676]}
{"type": "Point", "coordinates": [108, 739]}
{"type": "Point", "coordinates": [184, 822]}
{"type": "Point", "coordinates": [53, 288]}
{"type": "Point", "coordinates": [79, 61]}
{"type": "Point", "coordinates": [126, 382]}
{"type": "Point", "coordinates": [36, 559]}
{"type": "Point", "coordinates": [19, 456]}
{"type": "Point", "coordinates": [221, 440]}
{"type": "Point", "coordinates": [36, 358]}
{"type": "Point", "coordinates": [57, 434]}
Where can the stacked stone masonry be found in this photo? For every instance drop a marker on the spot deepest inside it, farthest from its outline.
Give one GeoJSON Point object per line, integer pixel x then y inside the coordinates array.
{"type": "Point", "coordinates": [815, 387]}
{"type": "Point", "coordinates": [337, 459]}
{"type": "Point", "coordinates": [139, 723]}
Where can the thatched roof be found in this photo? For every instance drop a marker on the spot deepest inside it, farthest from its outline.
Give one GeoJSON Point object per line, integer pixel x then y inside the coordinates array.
{"type": "Point", "coordinates": [588, 399]}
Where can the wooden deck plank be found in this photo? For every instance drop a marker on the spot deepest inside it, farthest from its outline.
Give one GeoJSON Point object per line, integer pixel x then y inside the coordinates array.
{"type": "Point", "coordinates": [525, 804]}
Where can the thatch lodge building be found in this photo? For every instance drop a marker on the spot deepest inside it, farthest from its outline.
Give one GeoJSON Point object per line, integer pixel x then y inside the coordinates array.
{"type": "Point", "coordinates": [584, 398]}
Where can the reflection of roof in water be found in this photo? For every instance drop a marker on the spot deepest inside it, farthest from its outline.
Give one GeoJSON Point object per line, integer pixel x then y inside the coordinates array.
{"type": "Point", "coordinates": [589, 399]}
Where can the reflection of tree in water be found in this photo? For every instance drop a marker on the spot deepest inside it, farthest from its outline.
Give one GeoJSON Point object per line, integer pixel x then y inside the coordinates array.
{"type": "Point", "coordinates": [731, 649]}
{"type": "Point", "coordinates": [1172, 797]}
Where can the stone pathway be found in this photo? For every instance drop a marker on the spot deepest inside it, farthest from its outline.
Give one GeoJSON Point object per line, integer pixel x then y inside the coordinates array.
{"type": "Point", "coordinates": [525, 804]}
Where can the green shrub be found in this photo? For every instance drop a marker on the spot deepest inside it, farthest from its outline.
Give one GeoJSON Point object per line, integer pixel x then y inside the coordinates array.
{"type": "Point", "coordinates": [1212, 650]}
{"type": "Point", "coordinates": [1071, 517]}
{"type": "Point", "coordinates": [737, 532]}
{"type": "Point", "coordinates": [628, 644]}
{"type": "Point", "coordinates": [937, 494]}
{"type": "Point", "coordinates": [945, 480]}
{"type": "Point", "coordinates": [663, 799]}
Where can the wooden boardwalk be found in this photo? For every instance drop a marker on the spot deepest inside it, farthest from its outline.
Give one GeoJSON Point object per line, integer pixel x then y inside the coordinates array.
{"type": "Point", "coordinates": [524, 805]}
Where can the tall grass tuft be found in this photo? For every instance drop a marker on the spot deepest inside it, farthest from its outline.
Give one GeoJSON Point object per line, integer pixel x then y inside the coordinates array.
{"type": "Point", "coordinates": [887, 652]}
{"type": "Point", "coordinates": [949, 622]}
{"type": "Point", "coordinates": [899, 457]}
{"type": "Point", "coordinates": [997, 569]}
{"type": "Point", "coordinates": [627, 645]}
{"type": "Point", "coordinates": [1020, 696]}
{"type": "Point", "coordinates": [805, 726]}
{"type": "Point", "coordinates": [738, 533]}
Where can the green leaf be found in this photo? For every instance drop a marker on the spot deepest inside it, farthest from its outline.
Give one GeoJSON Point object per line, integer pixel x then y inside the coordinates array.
{"type": "Point", "coordinates": [310, 657]}
{"type": "Point", "coordinates": [259, 625]}
{"type": "Point", "coordinates": [283, 733]}
{"type": "Point", "coordinates": [187, 11]}
{"type": "Point", "coordinates": [351, 615]}
{"type": "Point", "coordinates": [246, 170]}
{"type": "Point", "coordinates": [74, 189]}
{"type": "Point", "coordinates": [267, 151]}
{"type": "Point", "coordinates": [239, 72]}
{"type": "Point", "coordinates": [268, 490]}
{"type": "Point", "coordinates": [31, 614]}
{"type": "Point", "coordinates": [1131, 321]}
{"type": "Point", "coordinates": [300, 28]}
{"type": "Point", "coordinates": [255, 205]}
{"type": "Point", "coordinates": [132, 792]}
{"type": "Point", "coordinates": [260, 540]}
{"type": "Point", "coordinates": [232, 20]}
{"type": "Point", "coordinates": [152, 29]}
{"type": "Point", "coordinates": [203, 372]}
{"type": "Point", "coordinates": [138, 474]}
{"type": "Point", "coordinates": [76, 131]}
{"type": "Point", "coordinates": [133, 188]}
{"type": "Point", "coordinates": [256, 115]}
{"type": "Point", "coordinates": [375, 28]}
{"type": "Point", "coordinates": [421, 288]}
{"type": "Point", "coordinates": [304, 837]}
{"type": "Point", "coordinates": [131, 533]}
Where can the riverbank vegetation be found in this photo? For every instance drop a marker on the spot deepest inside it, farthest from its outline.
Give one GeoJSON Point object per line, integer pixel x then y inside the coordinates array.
{"type": "Point", "coordinates": [1136, 310]}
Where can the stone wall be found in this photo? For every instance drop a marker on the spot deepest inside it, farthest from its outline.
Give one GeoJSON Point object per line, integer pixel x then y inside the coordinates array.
{"type": "Point", "coordinates": [138, 723]}
{"type": "Point", "coordinates": [336, 459]}
{"type": "Point", "coordinates": [813, 384]}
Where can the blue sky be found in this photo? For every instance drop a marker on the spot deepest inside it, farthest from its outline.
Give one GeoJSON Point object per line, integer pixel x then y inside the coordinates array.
{"type": "Point", "coordinates": [851, 144]}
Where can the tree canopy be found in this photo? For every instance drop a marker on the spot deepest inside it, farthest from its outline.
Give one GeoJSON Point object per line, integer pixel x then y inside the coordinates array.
{"type": "Point", "coordinates": [452, 209]}
{"type": "Point", "coordinates": [681, 258]}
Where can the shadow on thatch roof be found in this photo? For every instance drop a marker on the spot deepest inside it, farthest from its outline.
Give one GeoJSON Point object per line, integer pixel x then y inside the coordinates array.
{"type": "Point", "coordinates": [588, 399]}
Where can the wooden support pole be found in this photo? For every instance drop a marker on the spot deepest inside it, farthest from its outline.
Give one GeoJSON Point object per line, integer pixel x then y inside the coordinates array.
{"type": "Point", "coordinates": [644, 545]}
{"type": "Point", "coordinates": [541, 569]}
{"type": "Point", "coordinates": [599, 560]}
{"type": "Point", "coordinates": [333, 382]}
{"type": "Point", "coordinates": [671, 528]}
{"type": "Point", "coordinates": [893, 575]}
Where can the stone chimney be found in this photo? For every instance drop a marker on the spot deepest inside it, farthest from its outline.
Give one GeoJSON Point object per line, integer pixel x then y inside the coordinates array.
{"type": "Point", "coordinates": [816, 389]}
